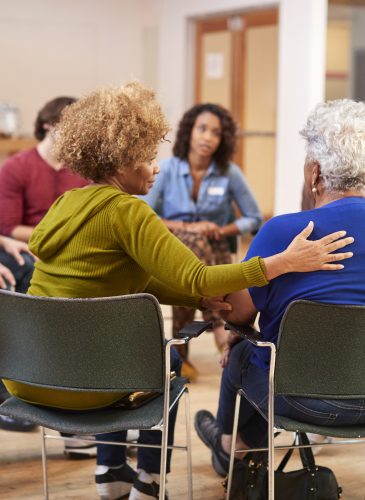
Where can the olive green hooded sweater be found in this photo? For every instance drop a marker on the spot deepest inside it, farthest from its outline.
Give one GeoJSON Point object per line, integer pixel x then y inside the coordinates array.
{"type": "Point", "coordinates": [98, 242]}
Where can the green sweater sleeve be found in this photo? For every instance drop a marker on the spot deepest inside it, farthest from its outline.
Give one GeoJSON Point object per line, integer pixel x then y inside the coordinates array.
{"type": "Point", "coordinates": [147, 241]}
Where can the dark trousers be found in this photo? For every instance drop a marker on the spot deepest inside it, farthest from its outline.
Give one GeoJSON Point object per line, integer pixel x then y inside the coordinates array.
{"type": "Point", "coordinates": [148, 458]}
{"type": "Point", "coordinates": [22, 274]}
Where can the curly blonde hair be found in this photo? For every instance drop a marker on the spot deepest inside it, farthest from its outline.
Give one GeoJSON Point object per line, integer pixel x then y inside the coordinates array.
{"type": "Point", "coordinates": [110, 129]}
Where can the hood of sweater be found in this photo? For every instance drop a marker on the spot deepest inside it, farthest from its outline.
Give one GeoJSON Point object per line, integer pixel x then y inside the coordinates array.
{"type": "Point", "coordinates": [66, 216]}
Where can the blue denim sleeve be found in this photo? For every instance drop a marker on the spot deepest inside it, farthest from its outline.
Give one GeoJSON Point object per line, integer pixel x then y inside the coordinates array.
{"type": "Point", "coordinates": [251, 219]}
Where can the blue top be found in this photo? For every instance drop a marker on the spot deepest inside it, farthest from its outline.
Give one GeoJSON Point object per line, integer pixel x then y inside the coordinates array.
{"type": "Point", "coordinates": [346, 286]}
{"type": "Point", "coordinates": [173, 187]}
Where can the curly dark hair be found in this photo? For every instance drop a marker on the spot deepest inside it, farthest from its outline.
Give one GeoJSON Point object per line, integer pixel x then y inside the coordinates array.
{"type": "Point", "coordinates": [50, 114]}
{"type": "Point", "coordinates": [227, 145]}
{"type": "Point", "coordinates": [110, 129]}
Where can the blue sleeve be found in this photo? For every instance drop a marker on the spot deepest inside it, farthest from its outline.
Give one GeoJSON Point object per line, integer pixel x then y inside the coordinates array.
{"type": "Point", "coordinates": [251, 218]}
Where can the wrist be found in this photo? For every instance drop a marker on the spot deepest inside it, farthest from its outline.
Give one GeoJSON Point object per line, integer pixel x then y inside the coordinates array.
{"type": "Point", "coordinates": [277, 265]}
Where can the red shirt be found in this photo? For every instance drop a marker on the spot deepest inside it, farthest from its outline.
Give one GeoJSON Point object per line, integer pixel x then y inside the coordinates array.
{"type": "Point", "coordinates": [28, 187]}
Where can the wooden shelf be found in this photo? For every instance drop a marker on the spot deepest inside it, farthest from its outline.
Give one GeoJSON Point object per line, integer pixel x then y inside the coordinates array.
{"type": "Point", "coordinates": [11, 146]}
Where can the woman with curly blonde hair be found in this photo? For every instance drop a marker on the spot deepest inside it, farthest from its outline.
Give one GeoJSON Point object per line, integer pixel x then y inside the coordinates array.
{"type": "Point", "coordinates": [101, 240]}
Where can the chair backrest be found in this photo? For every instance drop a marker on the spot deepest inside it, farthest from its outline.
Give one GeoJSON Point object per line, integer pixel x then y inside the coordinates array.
{"type": "Point", "coordinates": [109, 343]}
{"type": "Point", "coordinates": [321, 351]}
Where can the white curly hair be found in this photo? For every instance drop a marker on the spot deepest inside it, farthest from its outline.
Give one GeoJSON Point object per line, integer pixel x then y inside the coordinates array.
{"type": "Point", "coordinates": [335, 138]}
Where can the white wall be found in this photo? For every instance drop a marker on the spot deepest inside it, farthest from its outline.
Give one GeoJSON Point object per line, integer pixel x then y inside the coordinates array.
{"type": "Point", "coordinates": [58, 47]}
{"type": "Point", "coordinates": [67, 47]}
{"type": "Point", "coordinates": [301, 74]}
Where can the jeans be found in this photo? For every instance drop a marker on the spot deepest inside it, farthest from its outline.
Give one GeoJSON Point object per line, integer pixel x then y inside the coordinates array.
{"type": "Point", "coordinates": [148, 458]}
{"type": "Point", "coordinates": [22, 274]}
{"type": "Point", "coordinates": [252, 425]}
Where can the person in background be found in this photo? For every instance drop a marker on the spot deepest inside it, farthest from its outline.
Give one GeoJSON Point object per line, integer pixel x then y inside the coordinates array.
{"type": "Point", "coordinates": [102, 240]}
{"type": "Point", "coordinates": [16, 264]}
{"type": "Point", "coordinates": [16, 269]}
{"type": "Point", "coordinates": [195, 192]}
{"type": "Point", "coordinates": [334, 175]}
{"type": "Point", "coordinates": [32, 180]}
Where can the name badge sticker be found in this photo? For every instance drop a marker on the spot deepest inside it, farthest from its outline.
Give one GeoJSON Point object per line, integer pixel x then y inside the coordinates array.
{"type": "Point", "coordinates": [215, 190]}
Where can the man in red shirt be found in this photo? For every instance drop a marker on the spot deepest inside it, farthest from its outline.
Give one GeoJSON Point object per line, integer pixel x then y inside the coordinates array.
{"type": "Point", "coordinates": [32, 180]}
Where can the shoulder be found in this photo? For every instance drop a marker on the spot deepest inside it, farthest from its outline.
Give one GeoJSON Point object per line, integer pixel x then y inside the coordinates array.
{"type": "Point", "coordinates": [278, 232]}
{"type": "Point", "coordinates": [170, 163]}
{"type": "Point", "coordinates": [235, 173]}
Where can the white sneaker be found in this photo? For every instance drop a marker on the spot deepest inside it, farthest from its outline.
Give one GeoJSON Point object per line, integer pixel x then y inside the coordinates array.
{"type": "Point", "coordinates": [114, 483]}
{"type": "Point", "coordinates": [78, 448]}
{"type": "Point", "coordinates": [145, 487]}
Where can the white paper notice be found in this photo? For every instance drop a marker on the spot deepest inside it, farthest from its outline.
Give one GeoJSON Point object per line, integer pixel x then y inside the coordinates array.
{"type": "Point", "coordinates": [214, 65]}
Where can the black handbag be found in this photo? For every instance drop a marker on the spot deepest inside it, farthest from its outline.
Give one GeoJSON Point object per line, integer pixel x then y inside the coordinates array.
{"type": "Point", "coordinates": [313, 482]}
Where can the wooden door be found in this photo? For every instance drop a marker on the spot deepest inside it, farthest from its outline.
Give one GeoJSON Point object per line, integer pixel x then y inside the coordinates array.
{"type": "Point", "coordinates": [236, 66]}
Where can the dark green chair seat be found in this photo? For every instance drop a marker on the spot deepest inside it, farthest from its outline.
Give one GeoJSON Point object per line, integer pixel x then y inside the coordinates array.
{"type": "Point", "coordinates": [108, 344]}
{"type": "Point", "coordinates": [319, 354]}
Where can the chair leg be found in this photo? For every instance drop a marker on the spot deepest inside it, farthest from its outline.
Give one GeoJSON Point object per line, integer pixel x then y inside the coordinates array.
{"type": "Point", "coordinates": [44, 464]}
{"type": "Point", "coordinates": [163, 461]}
{"type": "Point", "coordinates": [188, 445]}
{"type": "Point", "coordinates": [233, 445]}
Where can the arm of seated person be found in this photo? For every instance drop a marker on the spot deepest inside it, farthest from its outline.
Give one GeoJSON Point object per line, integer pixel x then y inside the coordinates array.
{"type": "Point", "coordinates": [243, 312]}
{"type": "Point", "coordinates": [22, 233]}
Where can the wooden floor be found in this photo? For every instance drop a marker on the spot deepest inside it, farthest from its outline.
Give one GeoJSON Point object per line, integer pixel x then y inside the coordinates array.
{"type": "Point", "coordinates": [20, 460]}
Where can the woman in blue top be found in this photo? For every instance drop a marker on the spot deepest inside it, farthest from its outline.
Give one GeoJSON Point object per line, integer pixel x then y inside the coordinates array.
{"type": "Point", "coordinates": [194, 193]}
{"type": "Point", "coordinates": [334, 175]}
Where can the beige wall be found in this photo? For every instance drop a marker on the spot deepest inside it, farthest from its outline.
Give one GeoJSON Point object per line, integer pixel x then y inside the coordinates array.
{"type": "Point", "coordinates": [57, 47]}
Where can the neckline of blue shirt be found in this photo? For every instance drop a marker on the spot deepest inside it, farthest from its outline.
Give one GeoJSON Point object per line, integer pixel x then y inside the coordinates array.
{"type": "Point", "coordinates": [185, 169]}
{"type": "Point", "coordinates": [343, 201]}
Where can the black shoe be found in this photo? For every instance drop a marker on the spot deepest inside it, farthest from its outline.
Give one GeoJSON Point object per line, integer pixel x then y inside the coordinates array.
{"type": "Point", "coordinates": [16, 424]}
{"type": "Point", "coordinates": [208, 431]}
{"type": "Point", "coordinates": [141, 489]}
{"type": "Point", "coordinates": [115, 483]}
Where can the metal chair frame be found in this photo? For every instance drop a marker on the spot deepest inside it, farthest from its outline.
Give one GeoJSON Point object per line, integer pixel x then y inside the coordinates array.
{"type": "Point", "coordinates": [256, 339]}
{"type": "Point", "coordinates": [13, 407]}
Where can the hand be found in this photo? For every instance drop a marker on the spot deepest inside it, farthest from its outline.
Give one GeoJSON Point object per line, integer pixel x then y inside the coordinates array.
{"type": "Point", "coordinates": [14, 248]}
{"type": "Point", "coordinates": [215, 304]}
{"type": "Point", "coordinates": [205, 227]}
{"type": "Point", "coordinates": [303, 255]}
{"type": "Point", "coordinates": [6, 277]}
{"type": "Point", "coordinates": [225, 356]}
{"type": "Point", "coordinates": [232, 340]}
{"type": "Point", "coordinates": [306, 255]}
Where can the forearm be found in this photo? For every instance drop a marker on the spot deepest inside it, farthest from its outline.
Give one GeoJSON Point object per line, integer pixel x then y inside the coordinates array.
{"type": "Point", "coordinates": [230, 230]}
{"type": "Point", "coordinates": [22, 233]}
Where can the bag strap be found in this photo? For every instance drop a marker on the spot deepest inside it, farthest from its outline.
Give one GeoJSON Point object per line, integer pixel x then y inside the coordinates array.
{"type": "Point", "coordinates": [306, 454]}
{"type": "Point", "coordinates": [286, 457]}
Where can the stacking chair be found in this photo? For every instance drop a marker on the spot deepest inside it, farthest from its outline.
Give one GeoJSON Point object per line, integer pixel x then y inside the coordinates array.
{"type": "Point", "coordinates": [319, 354]}
{"type": "Point", "coordinates": [109, 344]}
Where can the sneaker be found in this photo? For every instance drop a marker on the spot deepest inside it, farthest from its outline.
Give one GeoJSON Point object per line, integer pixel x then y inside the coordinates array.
{"type": "Point", "coordinates": [79, 449]}
{"type": "Point", "coordinates": [208, 431]}
{"type": "Point", "coordinates": [16, 424]}
{"type": "Point", "coordinates": [115, 483]}
{"type": "Point", "coordinates": [145, 491]}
